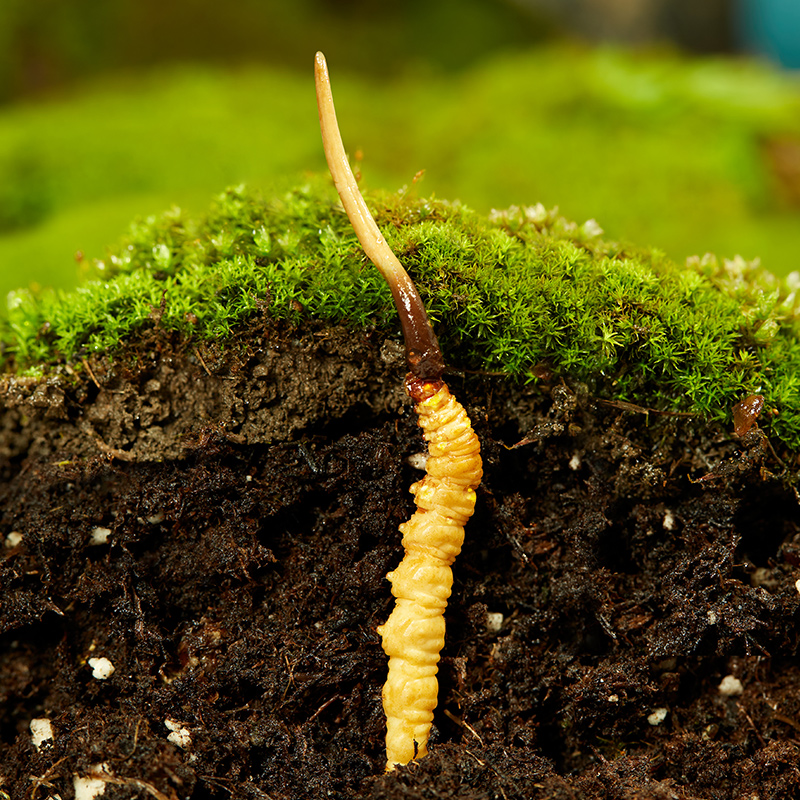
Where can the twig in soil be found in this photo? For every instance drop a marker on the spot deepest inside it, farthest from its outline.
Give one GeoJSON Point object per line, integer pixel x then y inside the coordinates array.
{"type": "Point", "coordinates": [88, 369]}
{"type": "Point", "coordinates": [91, 374]}
{"type": "Point", "coordinates": [42, 780]}
{"type": "Point", "coordinates": [202, 361]}
{"type": "Point", "coordinates": [484, 764]}
{"type": "Point", "coordinates": [785, 719]}
{"type": "Point", "coordinates": [139, 784]}
{"type": "Point", "coordinates": [624, 405]}
{"type": "Point", "coordinates": [219, 783]}
{"type": "Point", "coordinates": [413, 636]}
{"type": "Point", "coordinates": [451, 716]}
{"type": "Point", "coordinates": [324, 706]}
{"type": "Point", "coordinates": [114, 452]}
{"type": "Point", "coordinates": [752, 724]}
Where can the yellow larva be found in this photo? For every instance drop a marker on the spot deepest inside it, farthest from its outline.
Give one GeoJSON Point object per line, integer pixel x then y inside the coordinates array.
{"type": "Point", "coordinates": [413, 636]}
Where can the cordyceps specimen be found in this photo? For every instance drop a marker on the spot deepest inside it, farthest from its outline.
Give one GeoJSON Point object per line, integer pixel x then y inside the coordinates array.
{"type": "Point", "coordinates": [413, 636]}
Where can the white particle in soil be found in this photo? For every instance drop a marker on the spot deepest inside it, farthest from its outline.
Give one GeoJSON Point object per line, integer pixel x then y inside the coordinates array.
{"type": "Point", "coordinates": [178, 735]}
{"type": "Point", "coordinates": [87, 787]}
{"type": "Point", "coordinates": [709, 732]}
{"type": "Point", "coordinates": [658, 716]}
{"type": "Point", "coordinates": [13, 539]}
{"type": "Point", "coordinates": [41, 732]}
{"type": "Point", "coordinates": [575, 462]}
{"type": "Point", "coordinates": [762, 576]}
{"type": "Point", "coordinates": [419, 461]}
{"type": "Point", "coordinates": [669, 521]}
{"type": "Point", "coordinates": [102, 668]}
{"type": "Point", "coordinates": [100, 536]}
{"type": "Point", "coordinates": [494, 621]}
{"type": "Point", "coordinates": [730, 686]}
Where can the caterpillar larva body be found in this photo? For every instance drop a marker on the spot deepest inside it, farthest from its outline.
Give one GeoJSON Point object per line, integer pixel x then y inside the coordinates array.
{"type": "Point", "coordinates": [413, 636]}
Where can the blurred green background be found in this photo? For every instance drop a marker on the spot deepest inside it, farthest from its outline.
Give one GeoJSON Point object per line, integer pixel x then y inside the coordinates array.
{"type": "Point", "coordinates": [647, 122]}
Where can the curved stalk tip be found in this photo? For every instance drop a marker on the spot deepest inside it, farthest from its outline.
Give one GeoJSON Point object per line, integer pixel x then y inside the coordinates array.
{"type": "Point", "coordinates": [423, 354]}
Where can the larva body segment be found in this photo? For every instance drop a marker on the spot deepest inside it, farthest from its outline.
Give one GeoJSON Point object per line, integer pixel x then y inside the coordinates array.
{"type": "Point", "coordinates": [413, 636]}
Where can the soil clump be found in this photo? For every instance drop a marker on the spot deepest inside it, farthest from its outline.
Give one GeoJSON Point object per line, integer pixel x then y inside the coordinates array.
{"type": "Point", "coordinates": [218, 524]}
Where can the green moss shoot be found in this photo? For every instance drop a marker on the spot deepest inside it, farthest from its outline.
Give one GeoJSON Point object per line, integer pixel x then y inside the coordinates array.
{"type": "Point", "coordinates": [506, 292]}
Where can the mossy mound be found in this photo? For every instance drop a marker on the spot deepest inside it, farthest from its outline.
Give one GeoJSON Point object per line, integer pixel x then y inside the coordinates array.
{"type": "Point", "coordinates": [523, 292]}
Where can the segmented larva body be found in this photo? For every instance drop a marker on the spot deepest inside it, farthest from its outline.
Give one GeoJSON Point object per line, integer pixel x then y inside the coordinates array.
{"type": "Point", "coordinates": [413, 636]}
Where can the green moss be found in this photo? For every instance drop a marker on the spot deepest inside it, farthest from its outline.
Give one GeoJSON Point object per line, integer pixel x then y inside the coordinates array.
{"type": "Point", "coordinates": [507, 292]}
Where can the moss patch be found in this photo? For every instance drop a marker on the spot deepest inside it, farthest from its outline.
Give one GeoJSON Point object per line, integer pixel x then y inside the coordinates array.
{"type": "Point", "coordinates": [524, 292]}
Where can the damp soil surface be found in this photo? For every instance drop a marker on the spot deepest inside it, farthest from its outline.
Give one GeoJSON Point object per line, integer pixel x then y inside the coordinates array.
{"type": "Point", "coordinates": [216, 525]}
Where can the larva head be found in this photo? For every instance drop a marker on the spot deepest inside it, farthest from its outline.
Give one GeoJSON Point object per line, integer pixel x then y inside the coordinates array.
{"type": "Point", "coordinates": [420, 389]}
{"type": "Point", "coordinates": [422, 348]}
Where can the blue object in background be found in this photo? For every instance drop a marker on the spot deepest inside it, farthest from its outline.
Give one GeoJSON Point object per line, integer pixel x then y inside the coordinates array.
{"type": "Point", "coordinates": [772, 28]}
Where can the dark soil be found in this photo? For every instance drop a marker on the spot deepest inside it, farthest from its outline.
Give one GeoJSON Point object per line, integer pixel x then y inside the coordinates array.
{"type": "Point", "coordinates": [252, 497]}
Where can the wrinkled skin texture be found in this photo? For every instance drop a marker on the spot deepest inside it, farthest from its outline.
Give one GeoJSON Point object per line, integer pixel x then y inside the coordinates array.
{"type": "Point", "coordinates": [413, 636]}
